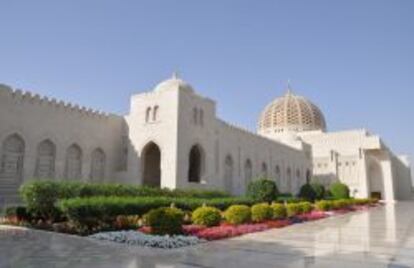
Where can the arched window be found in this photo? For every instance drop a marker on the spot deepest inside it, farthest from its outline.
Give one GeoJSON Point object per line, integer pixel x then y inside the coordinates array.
{"type": "Point", "coordinates": [201, 119]}
{"type": "Point", "coordinates": [228, 173]}
{"type": "Point", "coordinates": [248, 171]}
{"type": "Point", "coordinates": [73, 169]}
{"type": "Point", "coordinates": [288, 180]}
{"type": "Point", "coordinates": [45, 160]}
{"type": "Point", "coordinates": [12, 159]}
{"type": "Point", "coordinates": [195, 116]}
{"type": "Point", "coordinates": [264, 170]}
{"type": "Point", "coordinates": [195, 164]}
{"type": "Point", "coordinates": [97, 165]}
{"type": "Point", "coordinates": [148, 115]}
{"type": "Point", "coordinates": [308, 176]}
{"type": "Point", "coordinates": [155, 113]}
{"type": "Point", "coordinates": [277, 175]}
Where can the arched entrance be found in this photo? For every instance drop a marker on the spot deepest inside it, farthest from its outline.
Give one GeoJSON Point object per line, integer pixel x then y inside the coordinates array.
{"type": "Point", "coordinates": [228, 174]}
{"type": "Point", "coordinates": [376, 180]}
{"type": "Point", "coordinates": [195, 163]}
{"type": "Point", "coordinates": [151, 165]}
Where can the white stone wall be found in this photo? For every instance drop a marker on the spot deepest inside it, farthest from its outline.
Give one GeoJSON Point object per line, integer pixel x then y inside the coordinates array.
{"type": "Point", "coordinates": [36, 119]}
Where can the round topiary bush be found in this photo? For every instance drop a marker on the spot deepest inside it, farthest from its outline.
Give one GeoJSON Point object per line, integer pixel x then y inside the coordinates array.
{"type": "Point", "coordinates": [262, 190]}
{"type": "Point", "coordinates": [261, 212]}
{"type": "Point", "coordinates": [324, 205]}
{"type": "Point", "coordinates": [279, 211]}
{"type": "Point", "coordinates": [305, 207]}
{"type": "Point", "coordinates": [237, 214]}
{"type": "Point", "coordinates": [293, 209]}
{"type": "Point", "coordinates": [207, 216]}
{"type": "Point", "coordinates": [339, 190]}
{"type": "Point", "coordinates": [307, 192]}
{"type": "Point", "coordinates": [165, 221]}
{"type": "Point", "coordinates": [319, 190]}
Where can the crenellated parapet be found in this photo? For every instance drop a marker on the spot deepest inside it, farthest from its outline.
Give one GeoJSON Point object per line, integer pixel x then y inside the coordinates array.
{"type": "Point", "coordinates": [21, 97]}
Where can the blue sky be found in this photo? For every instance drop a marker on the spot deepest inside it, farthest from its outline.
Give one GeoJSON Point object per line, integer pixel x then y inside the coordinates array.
{"type": "Point", "coordinates": [354, 58]}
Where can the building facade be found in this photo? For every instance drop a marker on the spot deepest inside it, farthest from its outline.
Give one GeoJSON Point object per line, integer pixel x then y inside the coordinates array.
{"type": "Point", "coordinates": [173, 138]}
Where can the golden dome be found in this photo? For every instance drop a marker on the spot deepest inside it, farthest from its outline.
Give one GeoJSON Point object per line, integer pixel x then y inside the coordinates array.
{"type": "Point", "coordinates": [291, 113]}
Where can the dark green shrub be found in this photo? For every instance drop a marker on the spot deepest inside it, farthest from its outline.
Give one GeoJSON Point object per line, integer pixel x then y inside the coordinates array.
{"type": "Point", "coordinates": [307, 192]}
{"type": "Point", "coordinates": [305, 207]}
{"type": "Point", "coordinates": [319, 190]}
{"type": "Point", "coordinates": [279, 211]}
{"type": "Point", "coordinates": [207, 216]}
{"type": "Point", "coordinates": [41, 197]}
{"type": "Point", "coordinates": [165, 221]}
{"type": "Point", "coordinates": [324, 205]}
{"type": "Point", "coordinates": [261, 212]}
{"type": "Point", "coordinates": [293, 209]}
{"type": "Point", "coordinates": [19, 212]}
{"type": "Point", "coordinates": [262, 190]}
{"type": "Point", "coordinates": [237, 214]}
{"type": "Point", "coordinates": [339, 190]}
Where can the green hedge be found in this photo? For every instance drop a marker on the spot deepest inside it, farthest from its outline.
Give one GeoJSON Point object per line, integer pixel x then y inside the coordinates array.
{"type": "Point", "coordinates": [41, 196]}
{"type": "Point", "coordinates": [92, 209]}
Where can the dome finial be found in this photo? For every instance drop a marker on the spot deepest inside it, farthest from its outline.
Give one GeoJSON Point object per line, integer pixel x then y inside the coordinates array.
{"type": "Point", "coordinates": [175, 75]}
{"type": "Point", "coordinates": [289, 87]}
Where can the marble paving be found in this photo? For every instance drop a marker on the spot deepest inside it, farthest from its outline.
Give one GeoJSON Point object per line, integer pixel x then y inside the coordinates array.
{"type": "Point", "coordinates": [381, 237]}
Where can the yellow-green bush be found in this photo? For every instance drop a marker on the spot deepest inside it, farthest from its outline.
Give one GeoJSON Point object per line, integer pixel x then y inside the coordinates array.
{"type": "Point", "coordinates": [324, 205]}
{"type": "Point", "coordinates": [165, 220]}
{"type": "Point", "coordinates": [261, 212]}
{"type": "Point", "coordinates": [305, 207]}
{"type": "Point", "coordinates": [207, 216]}
{"type": "Point", "coordinates": [293, 209]}
{"type": "Point", "coordinates": [237, 214]}
{"type": "Point", "coordinates": [279, 211]}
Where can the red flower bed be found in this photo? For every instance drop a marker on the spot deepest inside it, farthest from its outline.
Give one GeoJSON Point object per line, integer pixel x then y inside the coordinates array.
{"type": "Point", "coordinates": [278, 223]}
{"type": "Point", "coordinates": [224, 230]}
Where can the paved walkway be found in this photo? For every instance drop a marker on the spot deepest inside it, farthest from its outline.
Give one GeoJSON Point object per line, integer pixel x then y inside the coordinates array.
{"type": "Point", "coordinates": [381, 237]}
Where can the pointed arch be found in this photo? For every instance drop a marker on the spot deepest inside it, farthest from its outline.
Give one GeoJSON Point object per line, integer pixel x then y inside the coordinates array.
{"type": "Point", "coordinates": [73, 167]}
{"type": "Point", "coordinates": [45, 160]}
{"type": "Point", "coordinates": [228, 173]}
{"type": "Point", "coordinates": [151, 165]}
{"type": "Point", "coordinates": [98, 160]}
{"type": "Point", "coordinates": [12, 158]}
{"type": "Point", "coordinates": [248, 172]}
{"type": "Point", "coordinates": [376, 180]}
{"type": "Point", "coordinates": [277, 175]}
{"type": "Point", "coordinates": [264, 170]}
{"type": "Point", "coordinates": [196, 162]}
{"type": "Point", "coordinates": [289, 180]}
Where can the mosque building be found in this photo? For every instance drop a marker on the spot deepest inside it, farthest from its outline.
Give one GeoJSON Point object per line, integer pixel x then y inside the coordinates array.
{"type": "Point", "coordinates": [173, 138]}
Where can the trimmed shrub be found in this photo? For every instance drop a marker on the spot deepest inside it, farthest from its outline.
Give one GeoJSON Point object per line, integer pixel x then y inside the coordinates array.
{"type": "Point", "coordinates": [88, 211]}
{"type": "Point", "coordinates": [18, 212]}
{"type": "Point", "coordinates": [324, 205]}
{"type": "Point", "coordinates": [339, 190]}
{"type": "Point", "coordinates": [341, 204]}
{"type": "Point", "coordinates": [319, 190]}
{"type": "Point", "coordinates": [207, 216]}
{"type": "Point", "coordinates": [293, 209]}
{"type": "Point", "coordinates": [237, 214]}
{"type": "Point", "coordinates": [262, 190]}
{"type": "Point", "coordinates": [165, 221]}
{"type": "Point", "coordinates": [307, 192]}
{"type": "Point", "coordinates": [261, 212]}
{"type": "Point", "coordinates": [41, 197]}
{"type": "Point", "coordinates": [279, 211]}
{"type": "Point", "coordinates": [305, 207]}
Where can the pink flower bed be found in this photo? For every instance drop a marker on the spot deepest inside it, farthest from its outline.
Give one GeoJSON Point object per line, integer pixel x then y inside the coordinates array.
{"type": "Point", "coordinates": [313, 216]}
{"type": "Point", "coordinates": [224, 230]}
